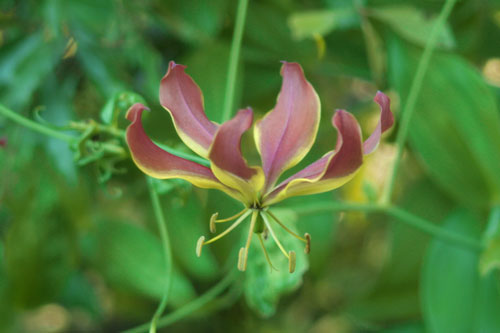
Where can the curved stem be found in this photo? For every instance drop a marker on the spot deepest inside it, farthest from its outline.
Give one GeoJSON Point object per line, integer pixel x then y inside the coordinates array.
{"type": "Point", "coordinates": [160, 219]}
{"type": "Point", "coordinates": [37, 127]}
{"type": "Point", "coordinates": [399, 214]}
{"type": "Point", "coordinates": [415, 88]}
{"type": "Point", "coordinates": [191, 307]}
{"type": "Point", "coordinates": [233, 59]}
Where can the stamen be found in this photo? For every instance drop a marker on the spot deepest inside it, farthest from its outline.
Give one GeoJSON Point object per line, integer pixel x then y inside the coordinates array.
{"type": "Point", "coordinates": [265, 253]}
{"type": "Point", "coordinates": [230, 218]}
{"type": "Point", "coordinates": [291, 261]}
{"type": "Point", "coordinates": [212, 222]}
{"type": "Point", "coordinates": [268, 225]}
{"type": "Point", "coordinates": [284, 227]}
{"type": "Point", "coordinates": [242, 261]}
{"type": "Point", "coordinates": [228, 230]}
{"type": "Point", "coordinates": [308, 243]}
{"type": "Point", "coordinates": [199, 245]}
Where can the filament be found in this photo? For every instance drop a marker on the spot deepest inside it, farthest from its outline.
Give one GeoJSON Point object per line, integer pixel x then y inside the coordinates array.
{"type": "Point", "coordinates": [285, 227]}
{"type": "Point", "coordinates": [271, 231]}
{"type": "Point", "coordinates": [265, 253]}
{"type": "Point", "coordinates": [228, 230]}
{"type": "Point", "coordinates": [243, 255]}
{"type": "Point", "coordinates": [235, 216]}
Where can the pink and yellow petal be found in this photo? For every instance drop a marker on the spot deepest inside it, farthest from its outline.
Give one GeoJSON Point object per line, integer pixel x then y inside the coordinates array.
{"type": "Point", "coordinates": [285, 135]}
{"type": "Point", "coordinates": [332, 170]}
{"type": "Point", "coordinates": [227, 162]}
{"type": "Point", "coordinates": [183, 99]}
{"type": "Point", "coordinates": [385, 122]}
{"type": "Point", "coordinates": [157, 163]}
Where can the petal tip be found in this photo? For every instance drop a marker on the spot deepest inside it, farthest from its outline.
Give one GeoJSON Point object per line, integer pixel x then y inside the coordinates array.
{"type": "Point", "coordinates": [135, 112]}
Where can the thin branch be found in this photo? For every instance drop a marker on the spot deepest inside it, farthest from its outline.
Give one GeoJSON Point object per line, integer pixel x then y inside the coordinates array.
{"type": "Point", "coordinates": [160, 219]}
{"type": "Point", "coordinates": [415, 88]}
{"type": "Point", "coordinates": [233, 59]}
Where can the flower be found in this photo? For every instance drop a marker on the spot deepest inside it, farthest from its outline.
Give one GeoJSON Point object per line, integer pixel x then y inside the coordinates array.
{"type": "Point", "coordinates": [283, 137]}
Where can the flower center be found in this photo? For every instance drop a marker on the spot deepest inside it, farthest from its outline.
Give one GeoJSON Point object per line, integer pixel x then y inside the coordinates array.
{"type": "Point", "coordinates": [260, 224]}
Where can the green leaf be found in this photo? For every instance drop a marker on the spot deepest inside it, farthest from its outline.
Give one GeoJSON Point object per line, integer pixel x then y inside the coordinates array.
{"type": "Point", "coordinates": [131, 258]}
{"type": "Point", "coordinates": [308, 24]}
{"type": "Point", "coordinates": [263, 287]}
{"type": "Point", "coordinates": [456, 125]}
{"type": "Point", "coordinates": [454, 297]}
{"type": "Point", "coordinates": [411, 24]}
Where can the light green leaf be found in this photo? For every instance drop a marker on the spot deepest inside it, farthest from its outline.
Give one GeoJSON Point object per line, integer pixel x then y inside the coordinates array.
{"type": "Point", "coordinates": [119, 103]}
{"type": "Point", "coordinates": [263, 287]}
{"type": "Point", "coordinates": [411, 24]}
{"type": "Point", "coordinates": [131, 258]}
{"type": "Point", "coordinates": [308, 24]}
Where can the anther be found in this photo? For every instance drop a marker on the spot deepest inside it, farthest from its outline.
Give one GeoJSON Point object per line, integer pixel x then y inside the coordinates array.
{"type": "Point", "coordinates": [291, 261]}
{"type": "Point", "coordinates": [242, 259]}
{"type": "Point", "coordinates": [212, 222]}
{"type": "Point", "coordinates": [199, 245]}
{"type": "Point", "coordinates": [308, 243]}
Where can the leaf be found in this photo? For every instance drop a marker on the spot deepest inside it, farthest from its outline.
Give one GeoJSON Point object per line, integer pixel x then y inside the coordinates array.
{"type": "Point", "coordinates": [411, 24]}
{"type": "Point", "coordinates": [454, 297]}
{"type": "Point", "coordinates": [263, 287]}
{"type": "Point", "coordinates": [456, 125]}
{"type": "Point", "coordinates": [131, 258]}
{"type": "Point", "coordinates": [308, 24]}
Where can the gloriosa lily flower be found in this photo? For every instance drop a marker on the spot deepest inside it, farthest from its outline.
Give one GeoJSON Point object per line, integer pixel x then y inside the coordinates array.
{"type": "Point", "coordinates": [283, 137]}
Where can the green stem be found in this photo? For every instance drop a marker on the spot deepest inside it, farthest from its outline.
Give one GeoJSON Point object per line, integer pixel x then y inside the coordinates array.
{"type": "Point", "coordinates": [160, 219]}
{"type": "Point", "coordinates": [415, 88]}
{"type": "Point", "coordinates": [399, 214]}
{"type": "Point", "coordinates": [21, 120]}
{"type": "Point", "coordinates": [191, 307]}
{"type": "Point", "coordinates": [233, 59]}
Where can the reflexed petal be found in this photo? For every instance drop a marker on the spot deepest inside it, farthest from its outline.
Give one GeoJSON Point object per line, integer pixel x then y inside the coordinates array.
{"type": "Point", "coordinates": [286, 133]}
{"type": "Point", "coordinates": [228, 164]}
{"type": "Point", "coordinates": [385, 122]}
{"type": "Point", "coordinates": [332, 170]}
{"type": "Point", "coordinates": [182, 97]}
{"type": "Point", "coordinates": [157, 163]}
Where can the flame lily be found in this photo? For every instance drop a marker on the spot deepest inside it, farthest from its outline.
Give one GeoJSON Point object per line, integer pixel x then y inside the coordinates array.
{"type": "Point", "coordinates": [283, 137]}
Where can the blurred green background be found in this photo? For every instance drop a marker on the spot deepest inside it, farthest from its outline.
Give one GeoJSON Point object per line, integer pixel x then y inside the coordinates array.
{"type": "Point", "coordinates": [79, 247]}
